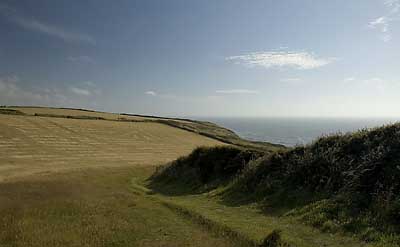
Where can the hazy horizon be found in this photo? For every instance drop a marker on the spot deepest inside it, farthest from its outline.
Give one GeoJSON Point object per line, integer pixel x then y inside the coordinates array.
{"type": "Point", "coordinates": [204, 58]}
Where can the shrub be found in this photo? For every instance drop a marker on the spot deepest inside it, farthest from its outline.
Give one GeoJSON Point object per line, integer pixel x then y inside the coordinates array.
{"type": "Point", "coordinates": [205, 166]}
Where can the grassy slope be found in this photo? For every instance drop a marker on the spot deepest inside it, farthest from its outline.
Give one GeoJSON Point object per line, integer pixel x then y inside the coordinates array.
{"type": "Point", "coordinates": [31, 144]}
{"type": "Point", "coordinates": [200, 127]}
{"type": "Point", "coordinates": [68, 182]}
{"type": "Point", "coordinates": [93, 207]}
{"type": "Point", "coordinates": [109, 208]}
{"type": "Point", "coordinates": [347, 185]}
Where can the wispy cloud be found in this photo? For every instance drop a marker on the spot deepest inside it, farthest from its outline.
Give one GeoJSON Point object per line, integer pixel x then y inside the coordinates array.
{"type": "Point", "coordinates": [80, 91]}
{"type": "Point", "coordinates": [376, 82]}
{"type": "Point", "coordinates": [12, 93]}
{"type": "Point", "coordinates": [151, 93]}
{"type": "Point", "coordinates": [349, 79]}
{"type": "Point", "coordinates": [80, 59]}
{"type": "Point", "coordinates": [237, 91]}
{"type": "Point", "coordinates": [89, 84]}
{"type": "Point", "coordinates": [394, 5]}
{"type": "Point", "coordinates": [32, 24]}
{"type": "Point", "coordinates": [299, 60]}
{"type": "Point", "coordinates": [383, 23]}
{"type": "Point", "coordinates": [294, 80]}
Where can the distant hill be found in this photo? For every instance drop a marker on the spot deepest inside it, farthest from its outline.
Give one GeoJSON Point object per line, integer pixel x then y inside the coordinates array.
{"type": "Point", "coordinates": [208, 129]}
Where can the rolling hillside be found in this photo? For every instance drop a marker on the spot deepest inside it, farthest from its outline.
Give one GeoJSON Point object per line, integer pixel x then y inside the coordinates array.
{"type": "Point", "coordinates": [67, 180]}
{"type": "Point", "coordinates": [207, 129]}
{"type": "Point", "coordinates": [345, 184]}
{"type": "Point", "coordinates": [36, 144]}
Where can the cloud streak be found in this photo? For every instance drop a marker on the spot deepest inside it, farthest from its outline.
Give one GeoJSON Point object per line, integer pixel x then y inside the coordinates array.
{"type": "Point", "coordinates": [80, 91]}
{"type": "Point", "coordinates": [237, 91]}
{"type": "Point", "coordinates": [151, 93]}
{"type": "Point", "coordinates": [292, 80]}
{"type": "Point", "coordinates": [297, 60]}
{"type": "Point", "coordinates": [44, 28]}
{"type": "Point", "coordinates": [349, 79]}
{"type": "Point", "coordinates": [13, 93]}
{"type": "Point", "coordinates": [382, 23]}
{"type": "Point", "coordinates": [80, 59]}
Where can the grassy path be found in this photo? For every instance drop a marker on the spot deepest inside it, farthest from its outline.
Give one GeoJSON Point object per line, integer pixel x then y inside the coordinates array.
{"type": "Point", "coordinates": [111, 207]}
{"type": "Point", "coordinates": [249, 224]}
{"type": "Point", "coordinates": [93, 207]}
{"type": "Point", "coordinates": [246, 224]}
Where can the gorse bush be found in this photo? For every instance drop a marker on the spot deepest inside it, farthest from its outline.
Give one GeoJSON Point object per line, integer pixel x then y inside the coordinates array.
{"type": "Point", "coordinates": [364, 165]}
{"type": "Point", "coordinates": [342, 182]}
{"type": "Point", "coordinates": [204, 166]}
{"type": "Point", "coordinates": [345, 181]}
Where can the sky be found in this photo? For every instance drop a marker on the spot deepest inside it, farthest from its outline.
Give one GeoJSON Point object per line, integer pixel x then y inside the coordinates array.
{"type": "Point", "coordinates": [225, 58]}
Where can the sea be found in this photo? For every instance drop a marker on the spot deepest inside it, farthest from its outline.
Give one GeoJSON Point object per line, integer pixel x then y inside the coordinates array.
{"type": "Point", "coordinates": [296, 131]}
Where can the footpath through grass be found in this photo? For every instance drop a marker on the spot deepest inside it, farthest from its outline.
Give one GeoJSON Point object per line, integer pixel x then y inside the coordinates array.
{"type": "Point", "coordinates": [112, 207]}
{"type": "Point", "coordinates": [249, 225]}
{"type": "Point", "coordinates": [342, 190]}
{"type": "Point", "coordinates": [93, 207]}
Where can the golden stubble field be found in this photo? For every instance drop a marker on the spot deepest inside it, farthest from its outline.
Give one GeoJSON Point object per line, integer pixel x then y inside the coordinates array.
{"type": "Point", "coordinates": [31, 144]}
{"type": "Point", "coordinates": [68, 182]}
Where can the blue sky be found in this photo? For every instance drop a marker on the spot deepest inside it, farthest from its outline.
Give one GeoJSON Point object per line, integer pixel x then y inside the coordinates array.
{"type": "Point", "coordinates": [203, 58]}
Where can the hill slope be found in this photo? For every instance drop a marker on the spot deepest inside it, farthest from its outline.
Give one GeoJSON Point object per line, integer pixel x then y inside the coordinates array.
{"type": "Point", "coordinates": [341, 183]}
{"type": "Point", "coordinates": [32, 144]}
{"type": "Point", "coordinates": [68, 180]}
{"type": "Point", "coordinates": [208, 129]}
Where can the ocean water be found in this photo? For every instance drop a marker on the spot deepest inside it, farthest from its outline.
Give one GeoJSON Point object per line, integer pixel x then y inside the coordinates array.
{"type": "Point", "coordinates": [295, 131]}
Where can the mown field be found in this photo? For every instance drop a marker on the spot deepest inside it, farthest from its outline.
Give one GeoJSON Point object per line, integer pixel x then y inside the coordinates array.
{"type": "Point", "coordinates": [67, 182]}
{"type": "Point", "coordinates": [204, 128]}
{"type": "Point", "coordinates": [43, 144]}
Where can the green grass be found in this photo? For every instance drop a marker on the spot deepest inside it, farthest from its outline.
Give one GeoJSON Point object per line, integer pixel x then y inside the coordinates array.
{"type": "Point", "coordinates": [348, 185]}
{"type": "Point", "coordinates": [204, 169]}
{"type": "Point", "coordinates": [249, 224]}
{"type": "Point", "coordinates": [97, 207]}
{"type": "Point", "coordinates": [112, 207]}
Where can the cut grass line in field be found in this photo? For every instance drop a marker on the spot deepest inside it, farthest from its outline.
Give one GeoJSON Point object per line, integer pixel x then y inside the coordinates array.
{"type": "Point", "coordinates": [203, 128]}
{"type": "Point", "coordinates": [212, 226]}
{"type": "Point", "coordinates": [209, 225]}
{"type": "Point", "coordinates": [40, 144]}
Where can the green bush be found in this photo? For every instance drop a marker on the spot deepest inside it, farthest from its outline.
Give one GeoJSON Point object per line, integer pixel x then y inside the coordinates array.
{"type": "Point", "coordinates": [361, 169]}
{"type": "Point", "coordinates": [343, 182]}
{"type": "Point", "coordinates": [204, 166]}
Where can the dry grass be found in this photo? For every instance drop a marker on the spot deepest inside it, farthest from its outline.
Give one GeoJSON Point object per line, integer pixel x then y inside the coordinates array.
{"type": "Point", "coordinates": [63, 112]}
{"type": "Point", "coordinates": [40, 144]}
{"type": "Point", "coordinates": [67, 182]}
{"type": "Point", "coordinates": [71, 112]}
{"type": "Point", "coordinates": [94, 207]}
{"type": "Point", "coordinates": [207, 129]}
